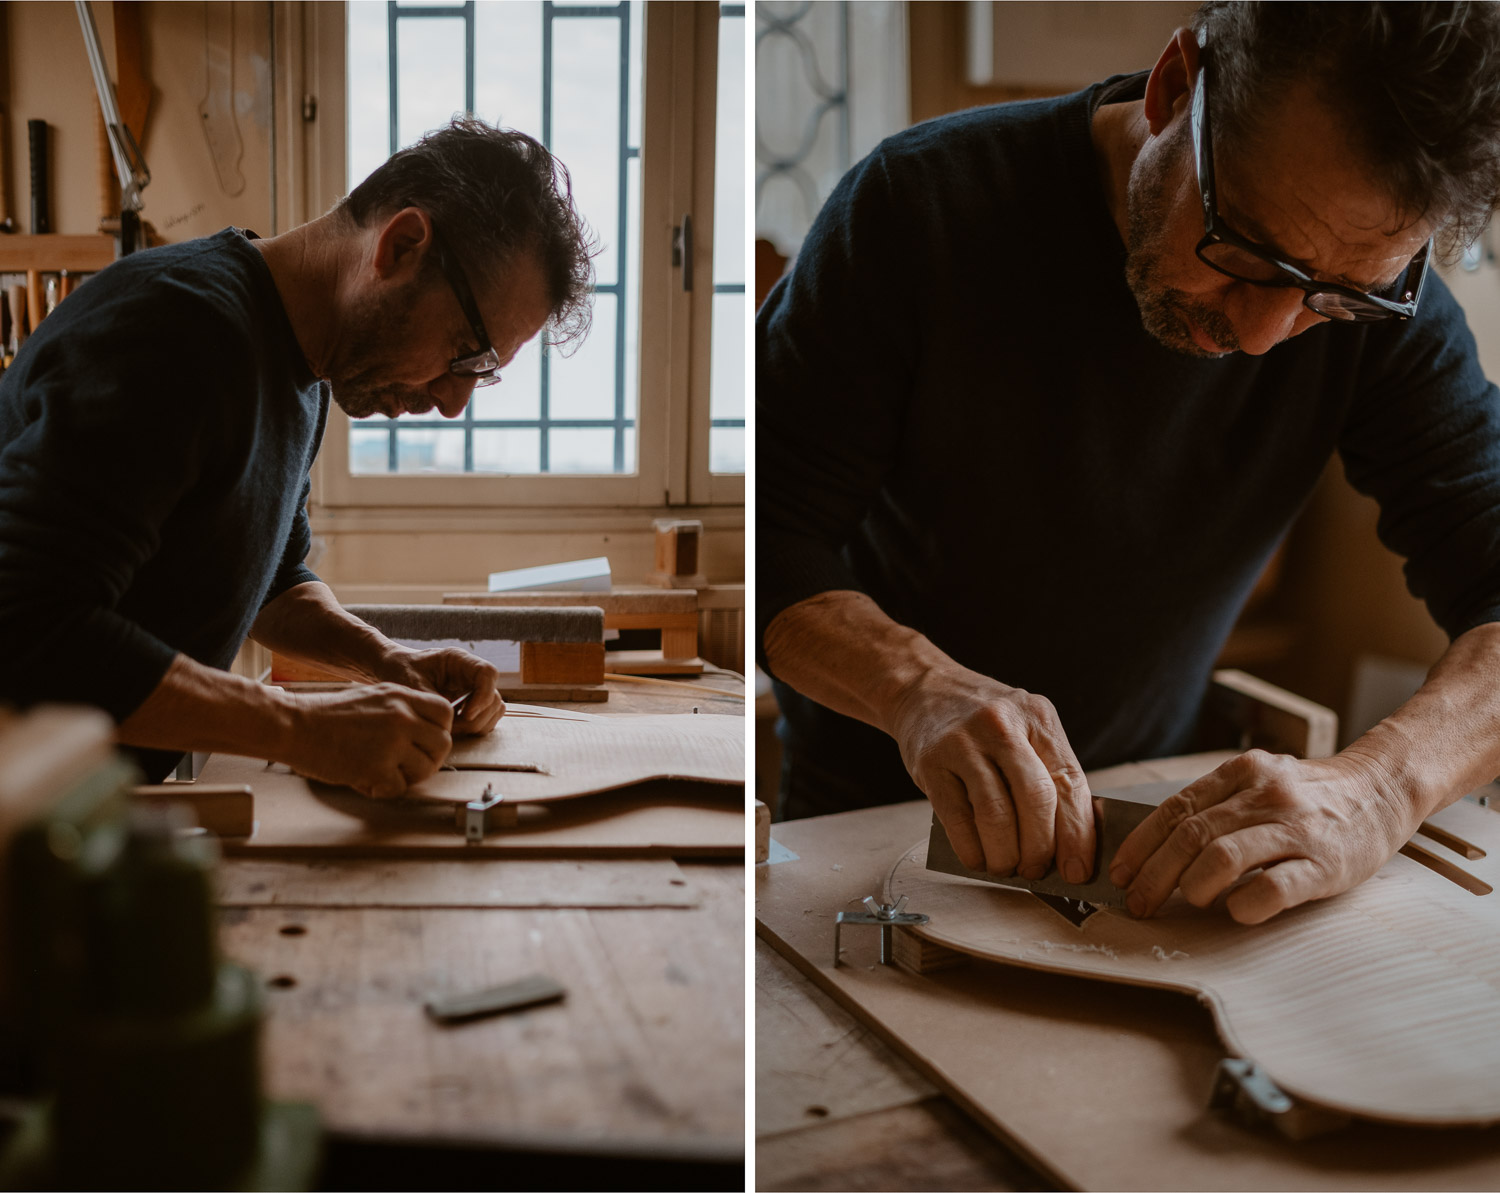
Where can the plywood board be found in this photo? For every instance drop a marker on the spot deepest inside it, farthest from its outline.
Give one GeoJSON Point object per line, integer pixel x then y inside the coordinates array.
{"type": "Point", "coordinates": [1097, 1085]}
{"type": "Point", "coordinates": [470, 882]}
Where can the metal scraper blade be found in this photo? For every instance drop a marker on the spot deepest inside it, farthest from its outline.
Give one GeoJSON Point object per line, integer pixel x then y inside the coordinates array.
{"type": "Point", "coordinates": [1116, 816]}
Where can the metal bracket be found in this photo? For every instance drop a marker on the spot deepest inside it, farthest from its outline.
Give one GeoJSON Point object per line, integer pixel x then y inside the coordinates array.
{"type": "Point", "coordinates": [1247, 1093]}
{"type": "Point", "coordinates": [473, 814]}
{"type": "Point", "coordinates": [881, 914]}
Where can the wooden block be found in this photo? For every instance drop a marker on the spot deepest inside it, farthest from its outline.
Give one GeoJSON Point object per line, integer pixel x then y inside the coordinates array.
{"type": "Point", "coordinates": [650, 662]}
{"type": "Point", "coordinates": [686, 619]}
{"type": "Point", "coordinates": [618, 600]}
{"type": "Point", "coordinates": [553, 693]}
{"type": "Point", "coordinates": [1248, 712]}
{"type": "Point", "coordinates": [762, 831]}
{"type": "Point", "coordinates": [224, 809]}
{"type": "Point", "coordinates": [677, 544]}
{"type": "Point", "coordinates": [915, 955]}
{"type": "Point", "coordinates": [680, 643]}
{"type": "Point", "coordinates": [562, 662]}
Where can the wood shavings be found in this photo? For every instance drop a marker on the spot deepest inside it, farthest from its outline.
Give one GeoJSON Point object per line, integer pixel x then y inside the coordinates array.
{"type": "Point", "coordinates": [1050, 945]}
{"type": "Point", "coordinates": [1161, 954]}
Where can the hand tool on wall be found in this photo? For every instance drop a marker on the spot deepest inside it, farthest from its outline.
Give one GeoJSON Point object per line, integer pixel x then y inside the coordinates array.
{"type": "Point", "coordinates": [36, 139]}
{"type": "Point", "coordinates": [130, 164]}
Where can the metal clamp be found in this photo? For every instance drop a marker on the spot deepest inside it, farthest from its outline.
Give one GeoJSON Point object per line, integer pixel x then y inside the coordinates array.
{"type": "Point", "coordinates": [1244, 1090]}
{"type": "Point", "coordinates": [474, 813]}
{"type": "Point", "coordinates": [881, 914]}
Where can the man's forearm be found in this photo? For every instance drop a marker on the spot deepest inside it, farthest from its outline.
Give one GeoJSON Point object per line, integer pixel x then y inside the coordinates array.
{"type": "Point", "coordinates": [199, 708]}
{"type": "Point", "coordinates": [306, 622]}
{"type": "Point", "coordinates": [842, 650]}
{"type": "Point", "coordinates": [1445, 741]}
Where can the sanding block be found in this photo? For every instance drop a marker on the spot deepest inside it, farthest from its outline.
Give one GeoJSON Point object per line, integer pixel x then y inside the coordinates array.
{"type": "Point", "coordinates": [1116, 816]}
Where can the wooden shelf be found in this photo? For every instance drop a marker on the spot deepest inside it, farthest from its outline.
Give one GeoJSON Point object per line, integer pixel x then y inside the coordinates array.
{"type": "Point", "coordinates": [55, 250]}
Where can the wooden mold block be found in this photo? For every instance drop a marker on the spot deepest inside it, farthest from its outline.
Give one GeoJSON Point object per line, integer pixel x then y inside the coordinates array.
{"type": "Point", "coordinates": [1106, 1084]}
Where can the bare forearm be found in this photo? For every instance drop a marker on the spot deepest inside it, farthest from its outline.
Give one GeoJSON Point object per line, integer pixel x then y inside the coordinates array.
{"type": "Point", "coordinates": [1445, 740]}
{"type": "Point", "coordinates": [308, 623]}
{"type": "Point", "coordinates": [840, 649]}
{"type": "Point", "coordinates": [198, 708]}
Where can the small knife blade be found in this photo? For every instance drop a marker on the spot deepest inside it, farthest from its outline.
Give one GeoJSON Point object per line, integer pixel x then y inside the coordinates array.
{"type": "Point", "coordinates": [1118, 814]}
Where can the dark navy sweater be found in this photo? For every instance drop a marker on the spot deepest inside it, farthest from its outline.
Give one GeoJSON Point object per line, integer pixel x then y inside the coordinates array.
{"type": "Point", "coordinates": [960, 414]}
{"type": "Point", "coordinates": [155, 438]}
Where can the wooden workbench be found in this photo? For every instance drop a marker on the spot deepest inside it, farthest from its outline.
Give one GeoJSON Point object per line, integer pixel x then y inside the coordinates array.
{"type": "Point", "coordinates": [641, 1065]}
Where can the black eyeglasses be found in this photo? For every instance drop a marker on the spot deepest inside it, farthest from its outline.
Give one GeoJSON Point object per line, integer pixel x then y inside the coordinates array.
{"type": "Point", "coordinates": [1224, 249]}
{"type": "Point", "coordinates": [484, 365]}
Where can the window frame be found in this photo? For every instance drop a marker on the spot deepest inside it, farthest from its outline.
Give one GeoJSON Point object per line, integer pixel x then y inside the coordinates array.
{"type": "Point", "coordinates": [679, 100]}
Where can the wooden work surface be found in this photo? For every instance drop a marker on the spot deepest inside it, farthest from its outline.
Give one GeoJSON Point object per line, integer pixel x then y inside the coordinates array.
{"type": "Point", "coordinates": [644, 1055]}
{"type": "Point", "coordinates": [1093, 1085]}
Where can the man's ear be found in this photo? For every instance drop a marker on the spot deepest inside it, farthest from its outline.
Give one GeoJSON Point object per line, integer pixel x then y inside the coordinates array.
{"type": "Point", "coordinates": [402, 244]}
{"type": "Point", "coordinates": [1169, 90]}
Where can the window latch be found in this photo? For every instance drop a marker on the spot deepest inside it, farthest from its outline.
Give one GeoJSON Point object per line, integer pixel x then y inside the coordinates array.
{"type": "Point", "coordinates": [682, 250]}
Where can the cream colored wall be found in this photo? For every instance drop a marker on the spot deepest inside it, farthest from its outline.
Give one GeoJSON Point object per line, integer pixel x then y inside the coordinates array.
{"type": "Point", "coordinates": [50, 80]}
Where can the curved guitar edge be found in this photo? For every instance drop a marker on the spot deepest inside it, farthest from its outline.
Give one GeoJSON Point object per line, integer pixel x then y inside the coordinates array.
{"type": "Point", "coordinates": [1317, 1038]}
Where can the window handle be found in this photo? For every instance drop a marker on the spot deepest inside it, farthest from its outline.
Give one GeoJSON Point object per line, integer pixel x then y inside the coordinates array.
{"type": "Point", "coordinates": [682, 250]}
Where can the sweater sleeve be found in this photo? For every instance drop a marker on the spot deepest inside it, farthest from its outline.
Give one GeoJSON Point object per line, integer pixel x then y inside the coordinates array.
{"type": "Point", "coordinates": [1423, 439]}
{"type": "Point", "coordinates": [292, 570]}
{"type": "Point", "coordinates": [835, 361]}
{"type": "Point", "coordinates": [104, 456]}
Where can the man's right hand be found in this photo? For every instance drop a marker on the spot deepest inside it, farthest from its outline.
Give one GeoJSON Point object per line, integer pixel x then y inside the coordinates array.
{"type": "Point", "coordinates": [998, 769]}
{"type": "Point", "coordinates": [380, 739]}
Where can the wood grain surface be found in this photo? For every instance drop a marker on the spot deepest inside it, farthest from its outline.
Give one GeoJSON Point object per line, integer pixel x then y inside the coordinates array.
{"type": "Point", "coordinates": [471, 882]}
{"type": "Point", "coordinates": [647, 1047]}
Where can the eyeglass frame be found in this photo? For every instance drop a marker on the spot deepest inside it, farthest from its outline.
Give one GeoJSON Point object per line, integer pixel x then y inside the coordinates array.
{"type": "Point", "coordinates": [482, 366]}
{"type": "Point", "coordinates": [1217, 231]}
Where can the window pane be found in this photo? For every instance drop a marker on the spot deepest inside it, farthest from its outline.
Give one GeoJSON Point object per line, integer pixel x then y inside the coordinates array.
{"type": "Point", "coordinates": [586, 126]}
{"type": "Point", "coordinates": [430, 78]}
{"type": "Point", "coordinates": [726, 449]}
{"type": "Point", "coordinates": [518, 396]}
{"type": "Point", "coordinates": [727, 363]}
{"type": "Point", "coordinates": [513, 427]}
{"type": "Point", "coordinates": [727, 367]}
{"type": "Point", "coordinates": [582, 449]}
{"type": "Point", "coordinates": [583, 384]}
{"type": "Point", "coordinates": [369, 451]}
{"type": "Point", "coordinates": [508, 65]}
{"type": "Point", "coordinates": [430, 451]}
{"type": "Point", "coordinates": [514, 450]}
{"type": "Point", "coordinates": [369, 90]}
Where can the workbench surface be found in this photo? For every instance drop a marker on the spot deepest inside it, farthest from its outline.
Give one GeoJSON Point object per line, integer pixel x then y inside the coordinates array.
{"type": "Point", "coordinates": [646, 1052]}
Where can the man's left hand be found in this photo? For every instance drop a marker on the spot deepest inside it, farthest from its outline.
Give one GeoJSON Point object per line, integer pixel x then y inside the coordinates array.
{"type": "Point", "coordinates": [451, 673]}
{"type": "Point", "coordinates": [1314, 827]}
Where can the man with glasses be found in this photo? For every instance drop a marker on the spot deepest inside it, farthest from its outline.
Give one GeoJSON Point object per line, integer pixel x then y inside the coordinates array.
{"type": "Point", "coordinates": [1047, 386]}
{"type": "Point", "coordinates": [156, 435]}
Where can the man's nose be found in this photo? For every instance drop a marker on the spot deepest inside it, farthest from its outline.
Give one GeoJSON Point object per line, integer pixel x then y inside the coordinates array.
{"type": "Point", "coordinates": [1265, 316]}
{"type": "Point", "coordinates": [451, 394]}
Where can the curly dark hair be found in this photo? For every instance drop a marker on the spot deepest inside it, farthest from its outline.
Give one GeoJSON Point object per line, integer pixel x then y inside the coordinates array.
{"type": "Point", "coordinates": [1417, 84]}
{"type": "Point", "coordinates": [494, 193]}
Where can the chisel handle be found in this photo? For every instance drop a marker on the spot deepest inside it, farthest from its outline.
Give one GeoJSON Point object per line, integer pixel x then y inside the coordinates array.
{"type": "Point", "coordinates": [36, 135]}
